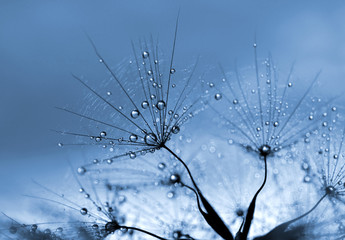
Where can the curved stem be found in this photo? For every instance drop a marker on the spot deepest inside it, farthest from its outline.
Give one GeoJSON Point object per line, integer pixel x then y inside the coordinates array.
{"type": "Point", "coordinates": [185, 166]}
{"type": "Point", "coordinates": [251, 208]}
{"type": "Point", "coordinates": [143, 231]}
{"type": "Point", "coordinates": [277, 231]}
{"type": "Point", "coordinates": [307, 213]}
{"type": "Point", "coordinates": [210, 215]}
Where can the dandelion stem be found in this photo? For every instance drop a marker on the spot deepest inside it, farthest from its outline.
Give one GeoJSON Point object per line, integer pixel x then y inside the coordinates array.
{"type": "Point", "coordinates": [211, 216]}
{"type": "Point", "coordinates": [251, 208]}
{"type": "Point", "coordinates": [277, 231]}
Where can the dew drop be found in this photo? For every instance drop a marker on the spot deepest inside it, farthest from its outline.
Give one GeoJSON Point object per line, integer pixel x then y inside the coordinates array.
{"type": "Point", "coordinates": [172, 71]}
{"type": "Point", "coordinates": [145, 104]}
{"type": "Point", "coordinates": [161, 166]}
{"type": "Point", "coordinates": [276, 124]}
{"type": "Point", "coordinates": [289, 84]}
{"type": "Point", "coordinates": [135, 114]}
{"type": "Point", "coordinates": [254, 45]}
{"type": "Point", "coordinates": [83, 211]}
{"type": "Point", "coordinates": [146, 54]}
{"type": "Point", "coordinates": [103, 134]}
{"type": "Point", "coordinates": [133, 138]}
{"type": "Point", "coordinates": [81, 170]}
{"type": "Point", "coordinates": [235, 101]}
{"type": "Point", "coordinates": [170, 194]}
{"type": "Point", "coordinates": [150, 139]}
{"type": "Point", "coordinates": [98, 139]}
{"type": "Point", "coordinates": [60, 144]}
{"type": "Point", "coordinates": [132, 155]}
{"type": "Point", "coordinates": [218, 96]}
{"type": "Point", "coordinates": [311, 117]}
{"type": "Point", "coordinates": [307, 179]}
{"type": "Point", "coordinates": [108, 93]}
{"type": "Point", "coordinates": [175, 129]}
{"type": "Point", "coordinates": [173, 86]}
{"type": "Point", "coordinates": [160, 105]}
{"type": "Point", "coordinates": [334, 109]}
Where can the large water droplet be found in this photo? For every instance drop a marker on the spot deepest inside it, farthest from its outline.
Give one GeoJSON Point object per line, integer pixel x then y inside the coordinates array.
{"type": "Point", "coordinates": [81, 170]}
{"type": "Point", "coordinates": [161, 166]}
{"type": "Point", "coordinates": [133, 138]}
{"type": "Point", "coordinates": [172, 71]}
{"type": "Point", "coordinates": [145, 104]}
{"type": "Point", "coordinates": [275, 124]}
{"type": "Point", "coordinates": [103, 134]}
{"type": "Point", "coordinates": [175, 129]}
{"type": "Point", "coordinates": [135, 113]}
{"type": "Point", "coordinates": [132, 155]}
{"type": "Point", "coordinates": [83, 211]}
{"type": "Point", "coordinates": [160, 105]}
{"type": "Point", "coordinates": [150, 139]}
{"type": "Point", "coordinates": [218, 96]}
{"type": "Point", "coordinates": [146, 54]}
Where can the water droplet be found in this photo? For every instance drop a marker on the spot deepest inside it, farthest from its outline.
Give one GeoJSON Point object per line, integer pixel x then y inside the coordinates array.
{"type": "Point", "coordinates": [108, 93]}
{"type": "Point", "coordinates": [145, 104]}
{"type": "Point", "coordinates": [334, 109]}
{"type": "Point", "coordinates": [306, 179]}
{"type": "Point", "coordinates": [175, 129]}
{"type": "Point", "coordinates": [311, 117]}
{"type": "Point", "coordinates": [132, 155]}
{"type": "Point", "coordinates": [60, 144]}
{"type": "Point", "coordinates": [98, 139]}
{"type": "Point", "coordinates": [211, 85]}
{"type": "Point", "coordinates": [176, 115]}
{"type": "Point", "coordinates": [324, 124]}
{"type": "Point", "coordinates": [146, 54]}
{"type": "Point", "coordinates": [81, 170]}
{"type": "Point", "coordinates": [160, 105]}
{"type": "Point", "coordinates": [175, 178]}
{"type": "Point", "coordinates": [133, 138]}
{"type": "Point", "coordinates": [235, 101]}
{"type": "Point", "coordinates": [172, 71]}
{"type": "Point", "coordinates": [218, 96]}
{"type": "Point", "coordinates": [149, 72]}
{"type": "Point", "coordinates": [150, 139]}
{"type": "Point", "coordinates": [103, 134]}
{"type": "Point", "coordinates": [170, 194]}
{"type": "Point", "coordinates": [161, 166]}
{"type": "Point", "coordinates": [173, 86]}
{"type": "Point", "coordinates": [83, 211]}
{"type": "Point", "coordinates": [100, 60]}
{"type": "Point", "coordinates": [335, 156]}
{"type": "Point", "coordinates": [254, 45]}
{"type": "Point", "coordinates": [153, 96]}
{"type": "Point", "coordinates": [276, 124]}
{"type": "Point", "coordinates": [135, 113]}
{"type": "Point", "coordinates": [289, 84]}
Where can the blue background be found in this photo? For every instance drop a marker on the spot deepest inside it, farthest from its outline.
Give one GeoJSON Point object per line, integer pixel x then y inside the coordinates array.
{"type": "Point", "coordinates": [42, 42]}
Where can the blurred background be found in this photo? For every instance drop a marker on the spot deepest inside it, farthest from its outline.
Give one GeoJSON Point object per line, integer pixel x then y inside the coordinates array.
{"type": "Point", "coordinates": [43, 42]}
